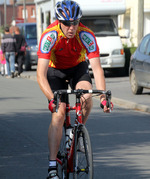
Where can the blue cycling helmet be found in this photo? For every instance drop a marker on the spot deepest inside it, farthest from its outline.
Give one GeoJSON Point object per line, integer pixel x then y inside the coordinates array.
{"type": "Point", "coordinates": [67, 9]}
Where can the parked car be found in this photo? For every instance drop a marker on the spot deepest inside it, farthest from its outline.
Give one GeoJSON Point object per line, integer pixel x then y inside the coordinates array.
{"type": "Point", "coordinates": [139, 69]}
{"type": "Point", "coordinates": [29, 31]}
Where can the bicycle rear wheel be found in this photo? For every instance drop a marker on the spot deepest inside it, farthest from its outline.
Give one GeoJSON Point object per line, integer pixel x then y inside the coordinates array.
{"type": "Point", "coordinates": [62, 159]}
{"type": "Point", "coordinates": [82, 159]}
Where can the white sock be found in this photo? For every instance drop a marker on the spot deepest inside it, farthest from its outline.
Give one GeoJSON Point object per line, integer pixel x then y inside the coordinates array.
{"type": "Point", "coordinates": [52, 163]}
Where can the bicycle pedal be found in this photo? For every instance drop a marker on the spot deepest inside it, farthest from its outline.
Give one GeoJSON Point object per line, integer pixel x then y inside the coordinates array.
{"type": "Point", "coordinates": [59, 156]}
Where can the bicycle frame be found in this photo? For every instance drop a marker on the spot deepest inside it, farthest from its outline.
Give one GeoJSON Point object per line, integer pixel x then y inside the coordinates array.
{"type": "Point", "coordinates": [78, 120]}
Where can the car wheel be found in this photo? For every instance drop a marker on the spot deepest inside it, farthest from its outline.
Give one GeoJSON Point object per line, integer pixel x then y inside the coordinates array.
{"type": "Point", "coordinates": [134, 85]}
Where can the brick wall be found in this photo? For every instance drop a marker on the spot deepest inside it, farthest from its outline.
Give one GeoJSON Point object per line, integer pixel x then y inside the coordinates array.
{"type": "Point", "coordinates": [31, 13]}
{"type": "Point", "coordinates": [9, 14]}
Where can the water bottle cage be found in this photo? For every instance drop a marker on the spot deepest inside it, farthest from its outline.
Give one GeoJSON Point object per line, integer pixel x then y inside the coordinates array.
{"type": "Point", "coordinates": [68, 141]}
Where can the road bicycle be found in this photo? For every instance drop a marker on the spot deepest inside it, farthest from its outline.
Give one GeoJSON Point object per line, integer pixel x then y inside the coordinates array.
{"type": "Point", "coordinates": [75, 158]}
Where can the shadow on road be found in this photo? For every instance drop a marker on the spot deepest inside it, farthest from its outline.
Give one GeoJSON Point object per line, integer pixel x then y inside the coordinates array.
{"type": "Point", "coordinates": [120, 144]}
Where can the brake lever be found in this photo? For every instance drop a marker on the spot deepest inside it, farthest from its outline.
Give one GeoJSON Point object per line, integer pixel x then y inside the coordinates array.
{"type": "Point", "coordinates": [108, 98]}
{"type": "Point", "coordinates": [56, 100]}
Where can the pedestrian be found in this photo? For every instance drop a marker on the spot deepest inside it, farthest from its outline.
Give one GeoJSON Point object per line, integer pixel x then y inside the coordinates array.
{"type": "Point", "coordinates": [61, 57]}
{"type": "Point", "coordinates": [21, 50]}
{"type": "Point", "coordinates": [2, 61]}
{"type": "Point", "coordinates": [9, 50]}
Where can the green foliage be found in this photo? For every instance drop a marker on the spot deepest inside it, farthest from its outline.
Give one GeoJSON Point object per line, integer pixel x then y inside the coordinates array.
{"type": "Point", "coordinates": [1, 29]}
{"type": "Point", "coordinates": [132, 49]}
{"type": "Point", "coordinates": [128, 52]}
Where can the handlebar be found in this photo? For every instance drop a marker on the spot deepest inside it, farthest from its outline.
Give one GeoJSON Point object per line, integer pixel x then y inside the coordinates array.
{"type": "Point", "coordinates": [80, 92]}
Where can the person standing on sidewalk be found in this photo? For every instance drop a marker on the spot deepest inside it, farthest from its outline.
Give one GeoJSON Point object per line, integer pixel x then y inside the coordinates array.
{"type": "Point", "coordinates": [9, 50]}
{"type": "Point", "coordinates": [21, 50]}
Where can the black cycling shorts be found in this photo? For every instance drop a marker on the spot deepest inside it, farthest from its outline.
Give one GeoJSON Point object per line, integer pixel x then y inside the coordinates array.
{"type": "Point", "coordinates": [58, 78]}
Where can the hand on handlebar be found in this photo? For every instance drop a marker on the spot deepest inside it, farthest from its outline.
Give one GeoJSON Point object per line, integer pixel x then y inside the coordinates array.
{"type": "Point", "coordinates": [52, 106]}
{"type": "Point", "coordinates": [106, 106]}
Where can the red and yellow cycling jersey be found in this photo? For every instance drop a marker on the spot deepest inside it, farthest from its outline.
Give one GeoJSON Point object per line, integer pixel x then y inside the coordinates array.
{"type": "Point", "coordinates": [65, 53]}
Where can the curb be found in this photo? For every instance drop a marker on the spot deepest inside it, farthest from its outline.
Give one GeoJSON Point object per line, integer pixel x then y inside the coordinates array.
{"type": "Point", "coordinates": [131, 105]}
{"type": "Point", "coordinates": [31, 77]}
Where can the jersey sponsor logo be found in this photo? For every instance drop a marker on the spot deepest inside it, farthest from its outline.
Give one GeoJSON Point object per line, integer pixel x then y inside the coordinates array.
{"type": "Point", "coordinates": [48, 41]}
{"type": "Point", "coordinates": [88, 40]}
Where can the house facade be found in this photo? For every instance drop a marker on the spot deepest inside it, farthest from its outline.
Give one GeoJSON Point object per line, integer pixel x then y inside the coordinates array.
{"type": "Point", "coordinates": [15, 12]}
{"type": "Point", "coordinates": [44, 12]}
{"type": "Point", "coordinates": [9, 14]}
{"type": "Point", "coordinates": [136, 21]}
{"type": "Point", "coordinates": [30, 10]}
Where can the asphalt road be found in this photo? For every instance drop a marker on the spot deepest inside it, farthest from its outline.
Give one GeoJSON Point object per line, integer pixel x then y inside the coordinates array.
{"type": "Point", "coordinates": [120, 140]}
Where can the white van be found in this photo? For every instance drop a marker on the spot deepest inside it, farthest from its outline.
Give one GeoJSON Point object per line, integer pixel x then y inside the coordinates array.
{"type": "Point", "coordinates": [108, 39]}
{"type": "Point", "coordinates": [101, 16]}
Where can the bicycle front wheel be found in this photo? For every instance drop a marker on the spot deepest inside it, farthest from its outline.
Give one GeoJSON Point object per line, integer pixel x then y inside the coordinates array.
{"type": "Point", "coordinates": [82, 158]}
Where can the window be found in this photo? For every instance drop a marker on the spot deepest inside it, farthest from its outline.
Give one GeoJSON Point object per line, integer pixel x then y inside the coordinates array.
{"type": "Point", "coordinates": [42, 18]}
{"type": "Point", "coordinates": [101, 26]}
{"type": "Point", "coordinates": [143, 45]}
{"type": "Point", "coordinates": [48, 19]}
{"type": "Point", "coordinates": [31, 32]}
{"type": "Point", "coordinates": [23, 15]}
{"type": "Point", "coordinates": [32, 13]}
{"type": "Point", "coordinates": [148, 49]}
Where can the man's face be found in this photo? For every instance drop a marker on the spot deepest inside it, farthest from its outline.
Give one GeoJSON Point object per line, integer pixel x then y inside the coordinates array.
{"type": "Point", "coordinates": [69, 28]}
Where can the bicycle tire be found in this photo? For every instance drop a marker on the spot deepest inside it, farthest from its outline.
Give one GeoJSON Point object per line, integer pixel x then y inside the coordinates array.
{"type": "Point", "coordinates": [82, 161]}
{"type": "Point", "coordinates": [62, 156]}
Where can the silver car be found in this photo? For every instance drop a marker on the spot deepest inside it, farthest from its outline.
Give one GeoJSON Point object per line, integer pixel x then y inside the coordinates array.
{"type": "Point", "coordinates": [139, 70]}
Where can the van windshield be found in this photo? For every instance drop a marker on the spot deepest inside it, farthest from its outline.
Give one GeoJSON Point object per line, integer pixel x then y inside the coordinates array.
{"type": "Point", "coordinates": [31, 32]}
{"type": "Point", "coordinates": [101, 27]}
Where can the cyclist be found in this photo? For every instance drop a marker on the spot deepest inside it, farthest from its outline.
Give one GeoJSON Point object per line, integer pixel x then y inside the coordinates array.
{"type": "Point", "coordinates": [61, 57]}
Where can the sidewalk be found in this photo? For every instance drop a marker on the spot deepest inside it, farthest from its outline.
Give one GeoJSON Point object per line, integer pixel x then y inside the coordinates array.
{"type": "Point", "coordinates": [123, 96]}
{"type": "Point", "coordinates": [121, 92]}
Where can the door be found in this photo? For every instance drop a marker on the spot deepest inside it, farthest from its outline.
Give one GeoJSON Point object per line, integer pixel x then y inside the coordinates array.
{"type": "Point", "coordinates": [139, 62]}
{"type": "Point", "coordinates": [147, 65]}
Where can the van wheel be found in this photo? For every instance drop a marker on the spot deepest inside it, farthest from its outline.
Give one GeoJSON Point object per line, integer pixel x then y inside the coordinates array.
{"type": "Point", "coordinates": [27, 66]}
{"type": "Point", "coordinates": [136, 89]}
{"type": "Point", "coordinates": [27, 63]}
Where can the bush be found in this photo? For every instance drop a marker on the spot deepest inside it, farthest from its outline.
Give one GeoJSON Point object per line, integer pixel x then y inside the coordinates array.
{"type": "Point", "coordinates": [132, 49]}
{"type": "Point", "coordinates": [128, 52]}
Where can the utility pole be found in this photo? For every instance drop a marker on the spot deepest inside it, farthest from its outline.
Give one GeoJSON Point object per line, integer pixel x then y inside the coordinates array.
{"type": "Point", "coordinates": [14, 14]}
{"type": "Point", "coordinates": [140, 20]}
{"type": "Point", "coordinates": [5, 16]}
{"type": "Point", "coordinates": [24, 7]}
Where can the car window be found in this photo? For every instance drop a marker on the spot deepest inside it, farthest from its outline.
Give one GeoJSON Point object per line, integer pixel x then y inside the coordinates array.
{"type": "Point", "coordinates": [148, 49]}
{"type": "Point", "coordinates": [31, 32]}
{"type": "Point", "coordinates": [143, 44]}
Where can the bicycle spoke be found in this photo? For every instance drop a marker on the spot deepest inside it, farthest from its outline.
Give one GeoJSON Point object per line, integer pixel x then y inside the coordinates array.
{"type": "Point", "coordinates": [83, 164]}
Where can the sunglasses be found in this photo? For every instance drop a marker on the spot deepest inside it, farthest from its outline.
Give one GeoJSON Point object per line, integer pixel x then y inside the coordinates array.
{"type": "Point", "coordinates": [69, 23]}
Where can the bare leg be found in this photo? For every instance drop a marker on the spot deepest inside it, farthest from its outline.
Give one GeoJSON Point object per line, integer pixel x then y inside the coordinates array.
{"type": "Point", "coordinates": [55, 131]}
{"type": "Point", "coordinates": [86, 99]}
